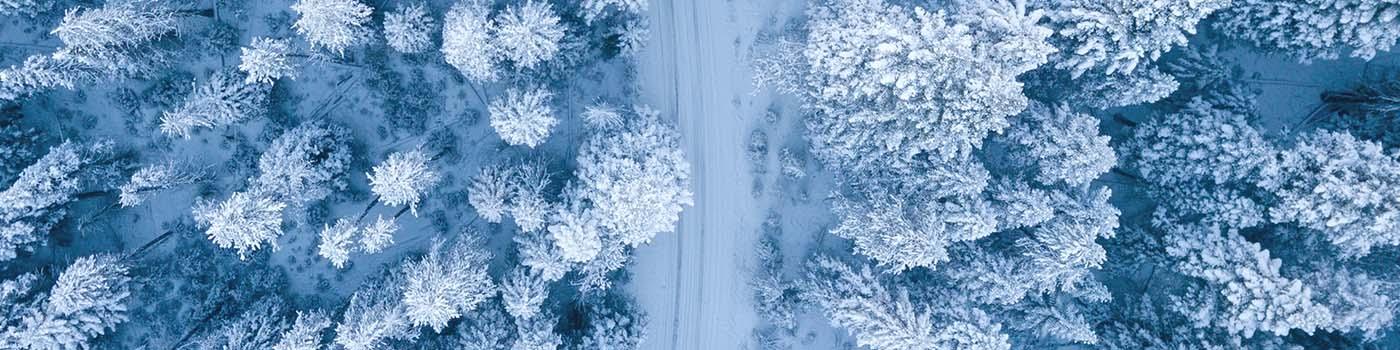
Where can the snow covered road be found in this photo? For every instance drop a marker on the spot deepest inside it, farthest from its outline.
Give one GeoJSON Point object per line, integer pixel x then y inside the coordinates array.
{"type": "Point", "coordinates": [693, 284]}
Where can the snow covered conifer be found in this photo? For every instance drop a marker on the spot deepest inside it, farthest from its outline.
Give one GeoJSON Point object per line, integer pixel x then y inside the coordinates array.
{"type": "Point", "coordinates": [537, 333]}
{"type": "Point", "coordinates": [378, 235]}
{"type": "Point", "coordinates": [35, 201]}
{"type": "Point", "coordinates": [523, 293]}
{"type": "Point", "coordinates": [1064, 145]}
{"type": "Point", "coordinates": [527, 205]}
{"type": "Point", "coordinates": [265, 60]}
{"type": "Point", "coordinates": [305, 332]}
{"type": "Point", "coordinates": [304, 164]}
{"type": "Point", "coordinates": [222, 100]}
{"type": "Point", "coordinates": [574, 228]}
{"type": "Point", "coordinates": [1118, 36]}
{"type": "Point", "coordinates": [115, 25]}
{"type": "Point", "coordinates": [1315, 29]}
{"type": "Point", "coordinates": [447, 282]}
{"type": "Point", "coordinates": [529, 33]}
{"type": "Point", "coordinates": [333, 25]}
{"type": "Point", "coordinates": [403, 179]}
{"type": "Point", "coordinates": [42, 72]}
{"type": "Point", "coordinates": [88, 299]}
{"type": "Point", "coordinates": [23, 7]}
{"type": "Point", "coordinates": [466, 41]}
{"type": "Point", "coordinates": [1198, 144]}
{"type": "Point", "coordinates": [337, 242]}
{"type": "Point", "coordinates": [601, 116]}
{"type": "Point", "coordinates": [155, 178]}
{"type": "Point", "coordinates": [375, 315]}
{"type": "Point", "coordinates": [906, 233]}
{"type": "Point", "coordinates": [614, 323]}
{"type": "Point", "coordinates": [523, 118]}
{"type": "Point", "coordinates": [243, 222]}
{"type": "Point", "coordinates": [637, 179]}
{"type": "Point", "coordinates": [485, 329]}
{"type": "Point", "coordinates": [409, 29]}
{"type": "Point", "coordinates": [538, 252]}
{"type": "Point", "coordinates": [256, 328]}
{"type": "Point", "coordinates": [595, 9]}
{"type": "Point", "coordinates": [1346, 188]}
{"type": "Point", "coordinates": [490, 192]}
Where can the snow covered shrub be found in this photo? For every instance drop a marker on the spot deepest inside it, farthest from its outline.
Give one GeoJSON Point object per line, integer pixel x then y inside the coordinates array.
{"type": "Point", "coordinates": [1198, 144]}
{"type": "Point", "coordinates": [467, 43]}
{"type": "Point", "coordinates": [528, 34]}
{"type": "Point", "coordinates": [156, 178]}
{"type": "Point", "coordinates": [445, 283]}
{"type": "Point", "coordinates": [1315, 29]}
{"type": "Point", "coordinates": [221, 101]}
{"type": "Point", "coordinates": [243, 222]}
{"type": "Point", "coordinates": [265, 60]}
{"type": "Point", "coordinates": [523, 118]}
{"type": "Point", "coordinates": [1345, 188]}
{"type": "Point", "coordinates": [403, 179]}
{"type": "Point", "coordinates": [1063, 145]}
{"type": "Point", "coordinates": [409, 29]}
{"type": "Point", "coordinates": [636, 179]}
{"type": "Point", "coordinates": [88, 299]}
{"type": "Point", "coordinates": [305, 164]}
{"type": "Point", "coordinates": [36, 201]}
{"type": "Point", "coordinates": [897, 87]}
{"type": "Point", "coordinates": [334, 25]}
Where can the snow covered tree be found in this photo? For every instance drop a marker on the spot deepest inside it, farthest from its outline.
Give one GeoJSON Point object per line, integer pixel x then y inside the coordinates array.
{"type": "Point", "coordinates": [35, 202]}
{"type": "Point", "coordinates": [1358, 302]}
{"type": "Point", "coordinates": [1314, 29]}
{"type": "Point", "coordinates": [256, 328]}
{"type": "Point", "coordinates": [467, 43]}
{"type": "Point", "coordinates": [636, 180]}
{"type": "Point", "coordinates": [155, 178]}
{"type": "Point", "coordinates": [1061, 251]}
{"type": "Point", "coordinates": [88, 299]}
{"type": "Point", "coordinates": [265, 60]}
{"type": "Point", "coordinates": [305, 332]}
{"type": "Point", "coordinates": [539, 252]}
{"type": "Point", "coordinates": [1018, 205]}
{"type": "Point", "coordinates": [447, 282]}
{"type": "Point", "coordinates": [409, 29]}
{"type": "Point", "coordinates": [337, 241]}
{"type": "Point", "coordinates": [243, 222]}
{"type": "Point", "coordinates": [1099, 91]}
{"type": "Point", "coordinates": [523, 118]}
{"type": "Point", "coordinates": [595, 9]}
{"type": "Point", "coordinates": [575, 229]}
{"type": "Point", "coordinates": [23, 7]}
{"type": "Point", "coordinates": [523, 293]}
{"type": "Point", "coordinates": [903, 233]}
{"type": "Point", "coordinates": [880, 318]}
{"type": "Point", "coordinates": [223, 100]}
{"type": "Point", "coordinates": [18, 146]}
{"type": "Point", "coordinates": [42, 72]}
{"type": "Point", "coordinates": [378, 235]}
{"type": "Point", "coordinates": [486, 328]}
{"type": "Point", "coordinates": [1247, 293]}
{"type": "Point", "coordinates": [528, 34]}
{"type": "Point", "coordinates": [612, 322]}
{"type": "Point", "coordinates": [527, 204]}
{"type": "Point", "coordinates": [490, 192]}
{"type": "Point", "coordinates": [403, 178]}
{"type": "Point", "coordinates": [602, 116]}
{"type": "Point", "coordinates": [1063, 145]}
{"type": "Point", "coordinates": [1346, 188]}
{"type": "Point", "coordinates": [304, 164]}
{"type": "Point", "coordinates": [1199, 144]}
{"type": "Point", "coordinates": [632, 36]}
{"type": "Point", "coordinates": [115, 25]}
{"type": "Point", "coordinates": [333, 25]}
{"type": "Point", "coordinates": [897, 86]}
{"type": "Point", "coordinates": [1118, 36]}
{"type": "Point", "coordinates": [537, 333]}
{"type": "Point", "coordinates": [375, 315]}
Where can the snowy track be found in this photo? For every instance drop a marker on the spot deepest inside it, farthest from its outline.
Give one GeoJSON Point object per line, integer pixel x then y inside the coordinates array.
{"type": "Point", "coordinates": [693, 284]}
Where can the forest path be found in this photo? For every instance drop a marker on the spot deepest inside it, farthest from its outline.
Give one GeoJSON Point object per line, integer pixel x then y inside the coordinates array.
{"type": "Point", "coordinates": [693, 284]}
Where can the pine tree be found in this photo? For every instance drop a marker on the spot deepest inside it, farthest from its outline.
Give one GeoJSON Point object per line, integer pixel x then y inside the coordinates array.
{"type": "Point", "coordinates": [637, 179]}
{"type": "Point", "coordinates": [602, 116]}
{"type": "Point", "coordinates": [595, 9]}
{"type": "Point", "coordinates": [221, 101]}
{"type": "Point", "coordinates": [1118, 36]}
{"type": "Point", "coordinates": [334, 25]}
{"type": "Point", "coordinates": [403, 178]}
{"type": "Point", "coordinates": [903, 233]}
{"type": "Point", "coordinates": [541, 254]}
{"type": "Point", "coordinates": [116, 38]}
{"type": "Point", "coordinates": [467, 43]}
{"type": "Point", "coordinates": [305, 164]}
{"type": "Point", "coordinates": [243, 222]}
{"type": "Point", "coordinates": [337, 241]}
{"type": "Point", "coordinates": [1346, 188]}
{"type": "Point", "coordinates": [529, 33]}
{"type": "Point", "coordinates": [1063, 145]}
{"type": "Point", "coordinates": [31, 206]}
{"type": "Point", "coordinates": [42, 72]}
{"type": "Point", "coordinates": [1314, 29]}
{"type": "Point", "coordinates": [409, 29]}
{"type": "Point", "coordinates": [156, 178]}
{"type": "Point", "coordinates": [537, 333]}
{"type": "Point", "coordinates": [447, 282]}
{"type": "Point", "coordinates": [1018, 205]}
{"type": "Point", "coordinates": [612, 323]}
{"type": "Point", "coordinates": [486, 328]}
{"type": "Point", "coordinates": [1199, 144]}
{"type": "Point", "coordinates": [527, 205]}
{"type": "Point", "coordinates": [574, 228]}
{"type": "Point", "coordinates": [258, 327]}
{"type": "Point", "coordinates": [305, 332]}
{"type": "Point", "coordinates": [375, 315]}
{"type": "Point", "coordinates": [265, 60]}
{"type": "Point", "coordinates": [27, 8]}
{"type": "Point", "coordinates": [523, 118]}
{"type": "Point", "coordinates": [378, 235]}
{"type": "Point", "coordinates": [490, 192]}
{"type": "Point", "coordinates": [523, 293]}
{"type": "Point", "coordinates": [1359, 303]}
{"type": "Point", "coordinates": [87, 300]}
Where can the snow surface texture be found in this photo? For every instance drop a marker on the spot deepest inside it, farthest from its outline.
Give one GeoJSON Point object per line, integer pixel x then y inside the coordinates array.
{"type": "Point", "coordinates": [666, 174]}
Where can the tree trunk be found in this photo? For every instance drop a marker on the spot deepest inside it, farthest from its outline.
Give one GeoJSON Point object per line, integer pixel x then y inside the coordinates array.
{"type": "Point", "coordinates": [141, 251]}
